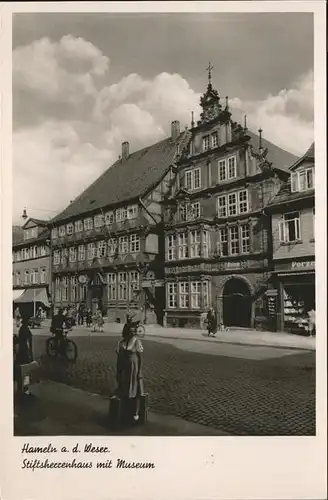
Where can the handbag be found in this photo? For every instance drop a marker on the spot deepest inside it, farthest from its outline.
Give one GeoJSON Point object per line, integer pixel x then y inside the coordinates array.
{"type": "Point", "coordinates": [30, 373]}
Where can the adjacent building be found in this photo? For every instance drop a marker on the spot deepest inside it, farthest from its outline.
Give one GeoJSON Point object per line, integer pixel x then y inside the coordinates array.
{"type": "Point", "coordinates": [108, 246]}
{"type": "Point", "coordinates": [292, 211]}
{"type": "Point", "coordinates": [217, 237]}
{"type": "Point", "coordinates": [31, 266]}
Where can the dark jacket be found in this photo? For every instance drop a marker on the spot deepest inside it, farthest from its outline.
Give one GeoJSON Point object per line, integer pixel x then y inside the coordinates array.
{"type": "Point", "coordinates": [25, 352]}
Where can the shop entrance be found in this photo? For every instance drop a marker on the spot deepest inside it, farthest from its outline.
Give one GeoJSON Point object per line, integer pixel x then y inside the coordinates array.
{"type": "Point", "coordinates": [237, 303]}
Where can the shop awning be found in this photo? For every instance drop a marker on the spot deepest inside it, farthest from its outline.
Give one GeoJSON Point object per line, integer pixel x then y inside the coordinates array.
{"type": "Point", "coordinates": [17, 294]}
{"type": "Point", "coordinates": [34, 295]}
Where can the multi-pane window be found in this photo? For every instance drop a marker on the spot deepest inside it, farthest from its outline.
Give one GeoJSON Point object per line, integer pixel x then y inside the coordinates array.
{"type": "Point", "coordinates": [194, 211]}
{"type": "Point", "coordinates": [72, 254]}
{"type": "Point", "coordinates": [182, 246]}
{"type": "Point", "coordinates": [290, 227]}
{"type": "Point", "coordinates": [56, 257]}
{"type": "Point", "coordinates": [43, 275]}
{"type": "Point", "coordinates": [122, 286]}
{"type": "Point", "coordinates": [243, 201]}
{"type": "Point", "coordinates": [34, 276]}
{"type": "Point", "coordinates": [172, 295]}
{"type": "Point", "coordinates": [81, 253]}
{"type": "Point", "coordinates": [184, 295]}
{"type": "Point", "coordinates": [58, 289]}
{"type": "Point", "coordinates": [111, 281]}
{"type": "Point", "coordinates": [17, 278]}
{"type": "Point", "coordinates": [92, 251]}
{"type": "Point", "coordinates": [121, 214]}
{"type": "Point", "coordinates": [123, 244]}
{"type": "Point", "coordinates": [74, 288]}
{"type": "Point", "coordinates": [302, 180]}
{"type": "Point", "coordinates": [134, 243]}
{"type": "Point", "coordinates": [215, 140]}
{"type": "Point", "coordinates": [65, 288]}
{"type": "Point", "coordinates": [227, 168]}
{"type": "Point", "coordinates": [99, 220]}
{"type": "Point", "coordinates": [182, 213]}
{"type": "Point", "coordinates": [206, 303]}
{"type": "Point", "coordinates": [232, 204]}
{"type": "Point", "coordinates": [62, 231]}
{"type": "Point", "coordinates": [101, 249]}
{"type": "Point", "coordinates": [83, 291]}
{"type": "Point", "coordinates": [194, 244]}
{"type": "Point", "coordinates": [64, 256]}
{"type": "Point", "coordinates": [234, 240]}
{"type": "Point", "coordinates": [206, 243]}
{"type": "Point", "coordinates": [192, 179]}
{"type": "Point", "coordinates": [109, 217]}
{"type": "Point", "coordinates": [195, 294]}
{"type": "Point", "coordinates": [206, 143]}
{"type": "Point", "coordinates": [222, 206]}
{"type": "Point", "coordinates": [54, 233]}
{"type": "Point", "coordinates": [133, 284]}
{"type": "Point", "coordinates": [69, 228]}
{"type": "Point", "coordinates": [78, 226]}
{"type": "Point", "coordinates": [33, 252]}
{"type": "Point", "coordinates": [244, 238]}
{"type": "Point", "coordinates": [88, 224]}
{"type": "Point", "coordinates": [112, 246]}
{"type": "Point", "coordinates": [26, 277]}
{"type": "Point", "coordinates": [43, 250]}
{"type": "Point", "coordinates": [222, 243]}
{"type": "Point", "coordinates": [132, 211]}
{"type": "Point", "coordinates": [171, 250]}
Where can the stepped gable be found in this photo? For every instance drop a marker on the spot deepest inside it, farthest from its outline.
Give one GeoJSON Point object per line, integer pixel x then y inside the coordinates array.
{"type": "Point", "coordinates": [126, 179]}
{"type": "Point", "coordinates": [279, 158]}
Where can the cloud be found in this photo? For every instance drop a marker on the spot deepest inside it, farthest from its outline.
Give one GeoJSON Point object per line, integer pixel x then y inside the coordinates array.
{"type": "Point", "coordinates": [69, 122]}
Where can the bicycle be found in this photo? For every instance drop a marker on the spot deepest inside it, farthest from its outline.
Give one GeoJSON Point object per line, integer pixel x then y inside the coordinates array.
{"type": "Point", "coordinates": [64, 347]}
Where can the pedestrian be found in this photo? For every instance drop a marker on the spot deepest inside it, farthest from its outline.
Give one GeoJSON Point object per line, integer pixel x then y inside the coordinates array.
{"type": "Point", "coordinates": [99, 320]}
{"type": "Point", "coordinates": [129, 375]}
{"type": "Point", "coordinates": [88, 318]}
{"type": "Point", "coordinates": [211, 322]}
{"type": "Point", "coordinates": [25, 351]}
{"type": "Point", "coordinates": [311, 322]}
{"type": "Point", "coordinates": [18, 317]}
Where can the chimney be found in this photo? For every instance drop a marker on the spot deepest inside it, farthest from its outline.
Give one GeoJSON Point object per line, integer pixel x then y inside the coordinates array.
{"type": "Point", "coordinates": [175, 129]}
{"type": "Point", "coordinates": [125, 150]}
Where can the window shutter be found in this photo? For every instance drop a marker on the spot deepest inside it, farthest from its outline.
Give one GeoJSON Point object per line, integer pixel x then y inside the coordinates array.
{"type": "Point", "coordinates": [297, 229]}
{"type": "Point", "coordinates": [282, 236]}
{"type": "Point", "coordinates": [294, 182]}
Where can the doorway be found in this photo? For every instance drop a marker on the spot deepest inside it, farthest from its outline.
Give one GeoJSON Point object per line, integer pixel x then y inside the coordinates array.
{"type": "Point", "coordinates": [237, 303]}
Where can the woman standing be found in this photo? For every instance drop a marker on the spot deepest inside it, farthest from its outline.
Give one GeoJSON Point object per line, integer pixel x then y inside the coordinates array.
{"type": "Point", "coordinates": [129, 368]}
{"type": "Point", "coordinates": [25, 350]}
{"type": "Point", "coordinates": [17, 317]}
{"type": "Point", "coordinates": [212, 323]}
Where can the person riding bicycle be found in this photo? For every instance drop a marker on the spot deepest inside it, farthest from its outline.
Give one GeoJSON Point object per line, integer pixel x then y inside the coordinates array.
{"type": "Point", "coordinates": [57, 327]}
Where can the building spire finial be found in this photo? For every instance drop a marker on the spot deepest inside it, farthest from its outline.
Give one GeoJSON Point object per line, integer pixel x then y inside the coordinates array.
{"type": "Point", "coordinates": [209, 69]}
{"type": "Point", "coordinates": [260, 138]}
{"type": "Point", "coordinates": [245, 122]}
{"type": "Point", "coordinates": [192, 120]}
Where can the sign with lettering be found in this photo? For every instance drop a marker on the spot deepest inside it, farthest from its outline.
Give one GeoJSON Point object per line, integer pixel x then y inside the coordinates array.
{"type": "Point", "coordinates": [272, 305]}
{"type": "Point", "coordinates": [295, 265]}
{"type": "Point", "coordinates": [303, 265]}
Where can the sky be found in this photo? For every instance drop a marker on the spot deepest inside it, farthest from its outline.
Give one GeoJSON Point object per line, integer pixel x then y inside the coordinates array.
{"type": "Point", "coordinates": [84, 83]}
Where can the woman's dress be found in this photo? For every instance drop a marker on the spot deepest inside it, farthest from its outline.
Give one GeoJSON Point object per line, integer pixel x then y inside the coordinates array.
{"type": "Point", "coordinates": [129, 368]}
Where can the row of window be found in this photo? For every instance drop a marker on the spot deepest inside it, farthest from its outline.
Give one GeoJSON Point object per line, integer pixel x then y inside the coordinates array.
{"type": "Point", "coordinates": [233, 240]}
{"type": "Point", "coordinates": [188, 295]}
{"type": "Point", "coordinates": [30, 253]}
{"type": "Point", "coordinates": [107, 218]}
{"type": "Point", "coordinates": [31, 277]}
{"type": "Point", "coordinates": [121, 286]}
{"type": "Point", "coordinates": [101, 249]}
{"type": "Point", "coordinates": [302, 180]}
{"type": "Point", "coordinates": [30, 233]}
{"type": "Point", "coordinates": [227, 169]}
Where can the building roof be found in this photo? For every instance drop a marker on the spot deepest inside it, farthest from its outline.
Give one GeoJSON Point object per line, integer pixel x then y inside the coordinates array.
{"type": "Point", "coordinates": [18, 234]}
{"type": "Point", "coordinates": [126, 179]}
{"type": "Point", "coordinates": [18, 243]}
{"type": "Point", "coordinates": [280, 158]}
{"type": "Point", "coordinates": [308, 156]}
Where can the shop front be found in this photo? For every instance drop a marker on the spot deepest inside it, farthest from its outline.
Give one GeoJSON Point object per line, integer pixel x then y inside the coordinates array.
{"type": "Point", "coordinates": [295, 285]}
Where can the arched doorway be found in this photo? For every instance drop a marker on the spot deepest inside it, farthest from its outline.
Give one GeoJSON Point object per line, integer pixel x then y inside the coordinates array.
{"type": "Point", "coordinates": [237, 303]}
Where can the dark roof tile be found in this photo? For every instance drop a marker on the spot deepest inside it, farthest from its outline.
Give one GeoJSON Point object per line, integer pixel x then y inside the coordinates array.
{"type": "Point", "coordinates": [280, 158]}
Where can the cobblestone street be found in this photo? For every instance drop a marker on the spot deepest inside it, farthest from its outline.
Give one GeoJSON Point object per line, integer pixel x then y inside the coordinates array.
{"type": "Point", "coordinates": [263, 395]}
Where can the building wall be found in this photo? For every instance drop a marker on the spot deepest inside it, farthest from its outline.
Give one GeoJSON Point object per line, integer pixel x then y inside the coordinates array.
{"type": "Point", "coordinates": [30, 265]}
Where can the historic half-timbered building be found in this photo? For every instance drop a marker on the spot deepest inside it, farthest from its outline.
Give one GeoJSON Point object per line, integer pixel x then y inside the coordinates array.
{"type": "Point", "coordinates": [31, 266]}
{"type": "Point", "coordinates": [217, 238]}
{"type": "Point", "coordinates": [107, 245]}
{"type": "Point", "coordinates": [292, 212]}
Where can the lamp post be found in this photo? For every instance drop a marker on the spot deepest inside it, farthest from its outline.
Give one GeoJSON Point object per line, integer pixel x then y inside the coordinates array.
{"type": "Point", "coordinates": [48, 244]}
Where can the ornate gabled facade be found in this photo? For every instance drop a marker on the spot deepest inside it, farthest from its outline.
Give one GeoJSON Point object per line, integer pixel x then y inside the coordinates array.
{"type": "Point", "coordinates": [108, 248]}
{"type": "Point", "coordinates": [31, 265]}
{"type": "Point", "coordinates": [292, 213]}
{"type": "Point", "coordinates": [217, 238]}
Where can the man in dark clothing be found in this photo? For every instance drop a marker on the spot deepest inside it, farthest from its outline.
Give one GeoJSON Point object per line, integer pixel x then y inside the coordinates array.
{"type": "Point", "coordinates": [23, 353]}
{"type": "Point", "coordinates": [211, 322]}
{"type": "Point", "coordinates": [57, 326]}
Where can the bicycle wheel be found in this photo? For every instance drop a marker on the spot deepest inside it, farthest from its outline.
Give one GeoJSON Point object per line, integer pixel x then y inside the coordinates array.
{"type": "Point", "coordinates": [51, 347]}
{"type": "Point", "coordinates": [141, 330]}
{"type": "Point", "coordinates": [70, 350]}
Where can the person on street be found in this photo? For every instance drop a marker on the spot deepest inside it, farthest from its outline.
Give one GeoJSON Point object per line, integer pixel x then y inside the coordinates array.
{"type": "Point", "coordinates": [129, 368]}
{"type": "Point", "coordinates": [311, 322]}
{"type": "Point", "coordinates": [24, 352]}
{"type": "Point", "coordinates": [211, 322]}
{"type": "Point", "coordinates": [88, 318]}
{"type": "Point", "coordinates": [57, 326]}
